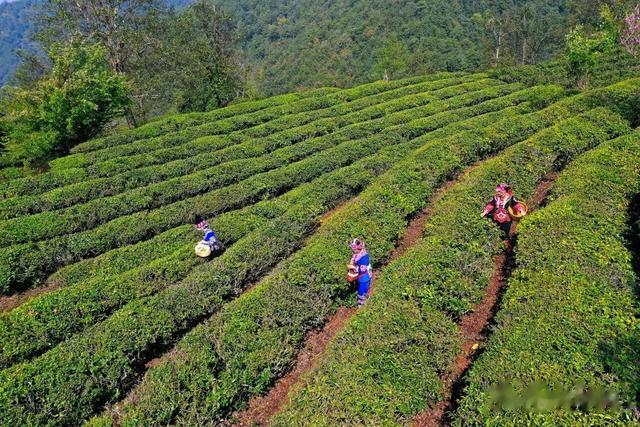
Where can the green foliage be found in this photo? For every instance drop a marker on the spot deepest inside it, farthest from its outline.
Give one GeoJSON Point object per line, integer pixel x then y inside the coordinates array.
{"type": "Point", "coordinates": [160, 317]}
{"type": "Point", "coordinates": [27, 263]}
{"type": "Point", "coordinates": [584, 52]}
{"type": "Point", "coordinates": [25, 327]}
{"type": "Point", "coordinates": [232, 165]}
{"type": "Point", "coordinates": [520, 32]}
{"type": "Point", "coordinates": [423, 294]}
{"type": "Point", "coordinates": [212, 78]}
{"type": "Point", "coordinates": [358, 117]}
{"type": "Point", "coordinates": [184, 60]}
{"type": "Point", "coordinates": [392, 59]}
{"type": "Point", "coordinates": [125, 275]}
{"type": "Point", "coordinates": [569, 315]}
{"type": "Point", "coordinates": [306, 43]}
{"type": "Point", "coordinates": [72, 103]}
{"type": "Point", "coordinates": [266, 171]}
{"type": "Point", "coordinates": [256, 336]}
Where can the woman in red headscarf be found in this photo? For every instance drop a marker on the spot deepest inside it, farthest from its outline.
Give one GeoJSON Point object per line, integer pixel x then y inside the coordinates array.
{"type": "Point", "coordinates": [499, 206]}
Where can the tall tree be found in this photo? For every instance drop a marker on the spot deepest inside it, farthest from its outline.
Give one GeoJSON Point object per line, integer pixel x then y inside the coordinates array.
{"type": "Point", "coordinates": [392, 59]}
{"type": "Point", "coordinates": [534, 26]}
{"type": "Point", "coordinates": [177, 60]}
{"type": "Point", "coordinates": [109, 22]}
{"type": "Point", "coordinates": [494, 28]}
{"type": "Point", "coordinates": [209, 63]}
{"type": "Point", "coordinates": [71, 103]}
{"type": "Point", "coordinates": [186, 60]}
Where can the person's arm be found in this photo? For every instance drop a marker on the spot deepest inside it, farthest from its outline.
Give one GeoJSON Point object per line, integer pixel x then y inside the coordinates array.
{"type": "Point", "coordinates": [488, 208]}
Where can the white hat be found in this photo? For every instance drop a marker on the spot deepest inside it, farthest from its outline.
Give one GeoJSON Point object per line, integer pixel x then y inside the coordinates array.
{"type": "Point", "coordinates": [203, 250]}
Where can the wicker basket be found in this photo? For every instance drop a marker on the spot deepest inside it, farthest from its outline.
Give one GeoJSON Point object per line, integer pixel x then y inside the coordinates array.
{"type": "Point", "coordinates": [521, 212]}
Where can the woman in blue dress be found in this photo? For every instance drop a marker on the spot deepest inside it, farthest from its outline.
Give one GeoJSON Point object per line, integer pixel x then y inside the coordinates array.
{"type": "Point", "coordinates": [362, 265]}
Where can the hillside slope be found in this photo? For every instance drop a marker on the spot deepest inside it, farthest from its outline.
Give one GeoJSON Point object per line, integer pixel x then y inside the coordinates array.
{"type": "Point", "coordinates": [109, 316]}
{"type": "Point", "coordinates": [301, 44]}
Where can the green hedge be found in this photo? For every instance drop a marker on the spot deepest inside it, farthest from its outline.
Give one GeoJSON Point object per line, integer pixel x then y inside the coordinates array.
{"type": "Point", "coordinates": [66, 175]}
{"type": "Point", "coordinates": [359, 99]}
{"type": "Point", "coordinates": [42, 183]}
{"type": "Point", "coordinates": [23, 265]}
{"type": "Point", "coordinates": [569, 316]}
{"type": "Point", "coordinates": [361, 123]}
{"type": "Point", "coordinates": [421, 296]}
{"type": "Point", "coordinates": [180, 374]}
{"type": "Point", "coordinates": [122, 259]}
{"type": "Point", "coordinates": [343, 95]}
{"type": "Point", "coordinates": [255, 337]}
{"type": "Point", "coordinates": [46, 320]}
{"type": "Point", "coordinates": [262, 122]}
{"type": "Point", "coordinates": [68, 383]}
{"type": "Point", "coordinates": [89, 215]}
{"type": "Point", "coordinates": [176, 122]}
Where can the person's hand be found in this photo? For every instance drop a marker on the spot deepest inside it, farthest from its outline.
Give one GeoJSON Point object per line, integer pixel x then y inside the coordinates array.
{"type": "Point", "coordinates": [482, 214]}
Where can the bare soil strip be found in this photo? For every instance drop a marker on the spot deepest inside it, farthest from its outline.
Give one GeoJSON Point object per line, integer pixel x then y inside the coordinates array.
{"type": "Point", "coordinates": [473, 326]}
{"type": "Point", "coordinates": [9, 302]}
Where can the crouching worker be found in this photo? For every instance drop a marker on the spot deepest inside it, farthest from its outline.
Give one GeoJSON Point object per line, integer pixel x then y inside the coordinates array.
{"type": "Point", "coordinates": [360, 270]}
{"type": "Point", "coordinates": [209, 243]}
{"type": "Point", "coordinates": [503, 207]}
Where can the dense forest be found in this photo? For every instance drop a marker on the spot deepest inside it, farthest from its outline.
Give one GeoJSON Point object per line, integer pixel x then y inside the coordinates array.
{"type": "Point", "coordinates": [15, 21]}
{"type": "Point", "coordinates": [297, 44]}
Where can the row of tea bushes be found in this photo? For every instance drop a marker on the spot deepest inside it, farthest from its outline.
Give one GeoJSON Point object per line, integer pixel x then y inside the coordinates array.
{"type": "Point", "coordinates": [569, 317]}
{"type": "Point", "coordinates": [26, 264]}
{"type": "Point", "coordinates": [407, 337]}
{"type": "Point", "coordinates": [201, 154]}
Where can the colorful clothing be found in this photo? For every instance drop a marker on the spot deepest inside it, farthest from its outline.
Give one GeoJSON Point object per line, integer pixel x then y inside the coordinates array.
{"type": "Point", "coordinates": [499, 208]}
{"type": "Point", "coordinates": [210, 237]}
{"type": "Point", "coordinates": [363, 265]}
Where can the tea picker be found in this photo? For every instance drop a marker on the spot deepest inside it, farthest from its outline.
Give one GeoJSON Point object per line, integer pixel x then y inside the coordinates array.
{"type": "Point", "coordinates": [505, 208]}
{"type": "Point", "coordinates": [359, 270]}
{"type": "Point", "coordinates": [210, 243]}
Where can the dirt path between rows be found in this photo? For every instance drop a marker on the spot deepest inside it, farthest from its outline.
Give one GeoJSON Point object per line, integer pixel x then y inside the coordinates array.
{"type": "Point", "coordinates": [473, 326]}
{"type": "Point", "coordinates": [9, 302]}
{"type": "Point", "coordinates": [263, 408]}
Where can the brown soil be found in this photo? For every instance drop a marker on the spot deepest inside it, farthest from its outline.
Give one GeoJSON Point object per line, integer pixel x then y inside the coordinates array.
{"type": "Point", "coordinates": [8, 303]}
{"type": "Point", "coordinates": [263, 408]}
{"type": "Point", "coordinates": [114, 411]}
{"type": "Point", "coordinates": [473, 326]}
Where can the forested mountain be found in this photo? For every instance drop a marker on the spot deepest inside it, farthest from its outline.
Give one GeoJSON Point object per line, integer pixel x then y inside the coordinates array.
{"type": "Point", "coordinates": [307, 43]}
{"type": "Point", "coordinates": [14, 25]}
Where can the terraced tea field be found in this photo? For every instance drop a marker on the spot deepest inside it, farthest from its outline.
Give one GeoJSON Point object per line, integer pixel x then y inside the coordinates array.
{"type": "Point", "coordinates": [110, 318]}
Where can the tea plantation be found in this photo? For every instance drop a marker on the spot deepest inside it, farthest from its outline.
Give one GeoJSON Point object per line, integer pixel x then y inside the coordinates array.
{"type": "Point", "coordinates": [110, 318]}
